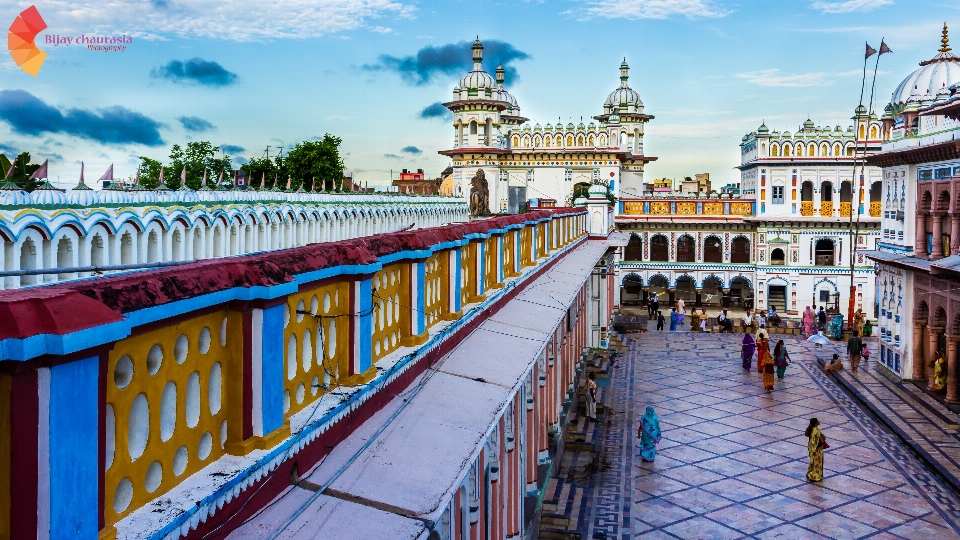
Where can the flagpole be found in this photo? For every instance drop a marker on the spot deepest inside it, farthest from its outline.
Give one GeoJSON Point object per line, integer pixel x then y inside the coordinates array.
{"type": "Point", "coordinates": [853, 287]}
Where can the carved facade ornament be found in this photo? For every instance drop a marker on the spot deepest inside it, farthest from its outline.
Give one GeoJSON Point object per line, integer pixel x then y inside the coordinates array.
{"type": "Point", "coordinates": [479, 195]}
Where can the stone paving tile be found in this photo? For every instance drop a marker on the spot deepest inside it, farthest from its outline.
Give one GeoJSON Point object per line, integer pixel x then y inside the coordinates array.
{"type": "Point", "coordinates": [733, 460]}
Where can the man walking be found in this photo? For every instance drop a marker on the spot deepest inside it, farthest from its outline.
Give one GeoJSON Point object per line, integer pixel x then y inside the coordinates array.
{"type": "Point", "coordinates": [854, 349]}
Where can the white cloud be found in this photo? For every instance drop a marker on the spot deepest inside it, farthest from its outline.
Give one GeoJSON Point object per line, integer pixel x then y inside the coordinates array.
{"type": "Point", "coordinates": [849, 6]}
{"type": "Point", "coordinates": [382, 30]}
{"type": "Point", "coordinates": [237, 20]}
{"type": "Point", "coordinates": [648, 9]}
{"type": "Point", "coordinates": [772, 77]}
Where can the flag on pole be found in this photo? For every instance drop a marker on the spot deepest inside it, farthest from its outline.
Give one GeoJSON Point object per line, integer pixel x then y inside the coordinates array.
{"type": "Point", "coordinates": [870, 52]}
{"type": "Point", "coordinates": [220, 180]}
{"type": "Point", "coordinates": [183, 176]}
{"type": "Point", "coordinates": [288, 183]}
{"type": "Point", "coordinates": [41, 172]}
{"type": "Point", "coordinates": [160, 184]}
{"type": "Point", "coordinates": [108, 175]}
{"type": "Point", "coordinates": [136, 179]}
{"type": "Point", "coordinates": [203, 183]}
{"type": "Point", "coordinates": [883, 47]}
{"type": "Point", "coordinates": [11, 168]}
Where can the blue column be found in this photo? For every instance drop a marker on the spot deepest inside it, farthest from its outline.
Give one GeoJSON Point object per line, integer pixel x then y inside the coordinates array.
{"type": "Point", "coordinates": [74, 449]}
{"type": "Point", "coordinates": [420, 305]}
{"type": "Point", "coordinates": [481, 267]}
{"type": "Point", "coordinates": [455, 288]}
{"type": "Point", "coordinates": [271, 368]}
{"type": "Point", "coordinates": [363, 348]}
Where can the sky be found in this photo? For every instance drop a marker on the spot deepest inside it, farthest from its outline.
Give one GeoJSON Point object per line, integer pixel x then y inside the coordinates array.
{"type": "Point", "coordinates": [253, 77]}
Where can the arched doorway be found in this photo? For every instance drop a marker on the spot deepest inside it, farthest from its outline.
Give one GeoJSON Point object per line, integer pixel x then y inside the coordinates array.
{"type": "Point", "coordinates": [740, 250]}
{"type": "Point", "coordinates": [686, 249]}
{"type": "Point", "coordinates": [659, 284]}
{"type": "Point", "coordinates": [633, 251]}
{"type": "Point", "coordinates": [659, 248]}
{"type": "Point", "coordinates": [713, 250]}
{"type": "Point", "coordinates": [632, 290]}
{"type": "Point", "coordinates": [778, 257]}
{"type": "Point", "coordinates": [711, 294]}
{"type": "Point", "coordinates": [686, 289]}
{"type": "Point", "coordinates": [824, 252]}
{"type": "Point", "coordinates": [741, 292]}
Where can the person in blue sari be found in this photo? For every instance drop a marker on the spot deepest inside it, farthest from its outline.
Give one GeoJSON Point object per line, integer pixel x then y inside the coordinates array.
{"type": "Point", "coordinates": [674, 320]}
{"type": "Point", "coordinates": [747, 348]}
{"type": "Point", "coordinates": [649, 434]}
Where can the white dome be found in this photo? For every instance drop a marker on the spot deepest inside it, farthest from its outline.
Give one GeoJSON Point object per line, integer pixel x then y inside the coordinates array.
{"type": "Point", "coordinates": [49, 196]}
{"type": "Point", "coordinates": [623, 96]}
{"type": "Point", "coordinates": [83, 196]}
{"type": "Point", "coordinates": [941, 71]}
{"type": "Point", "coordinates": [478, 79]}
{"type": "Point", "coordinates": [14, 196]}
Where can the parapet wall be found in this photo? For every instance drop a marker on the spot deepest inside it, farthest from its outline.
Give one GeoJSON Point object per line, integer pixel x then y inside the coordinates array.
{"type": "Point", "coordinates": [191, 383]}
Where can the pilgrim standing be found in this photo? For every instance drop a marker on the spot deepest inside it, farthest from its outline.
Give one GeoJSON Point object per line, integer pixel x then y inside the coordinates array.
{"type": "Point", "coordinates": [816, 442]}
{"type": "Point", "coordinates": [674, 319]}
{"type": "Point", "coordinates": [649, 434]}
{"type": "Point", "coordinates": [747, 348]}
{"type": "Point", "coordinates": [781, 358]}
{"type": "Point", "coordinates": [592, 396]}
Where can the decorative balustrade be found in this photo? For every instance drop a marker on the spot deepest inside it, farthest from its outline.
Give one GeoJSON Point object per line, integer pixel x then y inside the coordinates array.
{"type": "Point", "coordinates": [876, 209]}
{"type": "Point", "coordinates": [686, 207]}
{"type": "Point", "coordinates": [846, 209]}
{"type": "Point", "coordinates": [806, 208]}
{"type": "Point", "coordinates": [214, 360]}
{"type": "Point", "coordinates": [826, 208]}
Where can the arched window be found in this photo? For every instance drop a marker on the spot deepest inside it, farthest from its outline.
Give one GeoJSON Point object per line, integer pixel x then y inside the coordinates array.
{"type": "Point", "coordinates": [28, 261]}
{"type": "Point", "coordinates": [800, 150]}
{"type": "Point", "coordinates": [126, 248]}
{"type": "Point", "coordinates": [806, 191]}
{"type": "Point", "coordinates": [590, 140]}
{"type": "Point", "coordinates": [778, 257]}
{"type": "Point", "coordinates": [824, 252]}
{"type": "Point", "coordinates": [686, 249]}
{"type": "Point", "coordinates": [473, 127]}
{"type": "Point", "coordinates": [516, 141]}
{"type": "Point", "coordinates": [836, 149]}
{"type": "Point", "coordinates": [826, 191]}
{"type": "Point", "coordinates": [153, 247]}
{"type": "Point", "coordinates": [64, 255]}
{"type": "Point", "coordinates": [787, 150]}
{"type": "Point", "coordinates": [603, 140]}
{"type": "Point", "coordinates": [775, 151]}
{"type": "Point", "coordinates": [536, 141]}
{"type": "Point", "coordinates": [659, 248]}
{"type": "Point", "coordinates": [634, 249]}
{"type": "Point", "coordinates": [97, 251]}
{"type": "Point", "coordinates": [569, 141]}
{"type": "Point", "coordinates": [875, 191]}
{"type": "Point", "coordinates": [547, 141]}
{"type": "Point", "coordinates": [526, 141]}
{"type": "Point", "coordinates": [812, 150]}
{"type": "Point", "coordinates": [861, 131]}
{"type": "Point", "coordinates": [873, 132]}
{"type": "Point", "coordinates": [846, 193]}
{"type": "Point", "coordinates": [559, 141]}
{"type": "Point", "coordinates": [740, 250]}
{"type": "Point", "coordinates": [824, 150]}
{"type": "Point", "coordinates": [763, 150]}
{"type": "Point", "coordinates": [712, 250]}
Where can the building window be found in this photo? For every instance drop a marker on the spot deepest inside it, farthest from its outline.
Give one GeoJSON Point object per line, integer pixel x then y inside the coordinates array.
{"type": "Point", "coordinates": [777, 194]}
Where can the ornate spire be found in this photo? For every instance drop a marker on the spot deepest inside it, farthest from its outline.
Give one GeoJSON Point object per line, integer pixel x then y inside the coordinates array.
{"type": "Point", "coordinates": [477, 54]}
{"type": "Point", "coordinates": [624, 73]}
{"type": "Point", "coordinates": [500, 75]}
{"type": "Point", "coordinates": [945, 40]}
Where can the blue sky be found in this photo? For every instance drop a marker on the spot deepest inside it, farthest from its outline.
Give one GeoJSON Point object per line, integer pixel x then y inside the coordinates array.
{"type": "Point", "coordinates": [245, 74]}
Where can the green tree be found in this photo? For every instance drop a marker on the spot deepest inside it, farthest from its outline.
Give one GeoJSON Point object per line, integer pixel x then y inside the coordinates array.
{"type": "Point", "coordinates": [22, 170]}
{"type": "Point", "coordinates": [197, 157]}
{"type": "Point", "coordinates": [150, 172]}
{"type": "Point", "coordinates": [258, 169]}
{"type": "Point", "coordinates": [316, 159]}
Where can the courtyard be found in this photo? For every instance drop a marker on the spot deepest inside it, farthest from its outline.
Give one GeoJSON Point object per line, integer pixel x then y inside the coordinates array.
{"type": "Point", "coordinates": [733, 459]}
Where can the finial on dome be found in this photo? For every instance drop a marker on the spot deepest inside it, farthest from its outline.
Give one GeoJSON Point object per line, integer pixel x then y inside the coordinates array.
{"type": "Point", "coordinates": [945, 40]}
{"type": "Point", "coordinates": [500, 74]}
{"type": "Point", "coordinates": [477, 52]}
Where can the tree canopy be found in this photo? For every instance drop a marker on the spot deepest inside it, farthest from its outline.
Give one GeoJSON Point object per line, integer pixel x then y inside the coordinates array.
{"type": "Point", "coordinates": [22, 170]}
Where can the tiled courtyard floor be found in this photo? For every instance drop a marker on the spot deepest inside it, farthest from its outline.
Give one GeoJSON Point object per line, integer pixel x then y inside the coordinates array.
{"type": "Point", "coordinates": [733, 459]}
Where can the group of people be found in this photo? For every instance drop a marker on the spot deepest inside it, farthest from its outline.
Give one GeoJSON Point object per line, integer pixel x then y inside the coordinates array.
{"type": "Point", "coordinates": [768, 363]}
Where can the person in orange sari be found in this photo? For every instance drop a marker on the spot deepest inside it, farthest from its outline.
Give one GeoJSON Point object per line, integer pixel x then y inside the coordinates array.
{"type": "Point", "coordinates": [763, 349]}
{"type": "Point", "coordinates": [767, 367]}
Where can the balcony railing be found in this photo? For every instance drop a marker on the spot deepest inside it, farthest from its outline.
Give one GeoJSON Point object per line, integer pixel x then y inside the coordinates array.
{"type": "Point", "coordinates": [876, 208]}
{"type": "Point", "coordinates": [806, 208]}
{"type": "Point", "coordinates": [826, 208]}
{"type": "Point", "coordinates": [845, 209]}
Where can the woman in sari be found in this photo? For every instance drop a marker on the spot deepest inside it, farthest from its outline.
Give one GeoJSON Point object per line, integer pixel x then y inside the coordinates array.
{"type": "Point", "coordinates": [858, 319]}
{"type": "Point", "coordinates": [767, 367]}
{"type": "Point", "coordinates": [809, 322]}
{"type": "Point", "coordinates": [694, 321]}
{"type": "Point", "coordinates": [746, 350]}
{"type": "Point", "coordinates": [815, 445]}
{"type": "Point", "coordinates": [649, 434]}
{"type": "Point", "coordinates": [591, 396]}
{"type": "Point", "coordinates": [939, 372]}
{"type": "Point", "coordinates": [674, 320]}
{"type": "Point", "coordinates": [780, 358]}
{"type": "Point", "coordinates": [763, 349]}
